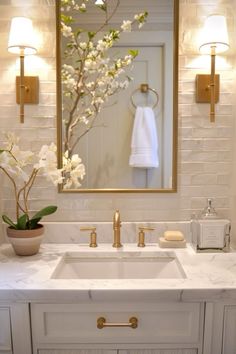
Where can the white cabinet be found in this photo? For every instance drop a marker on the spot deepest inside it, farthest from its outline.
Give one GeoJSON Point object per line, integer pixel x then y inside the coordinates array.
{"type": "Point", "coordinates": [15, 334]}
{"type": "Point", "coordinates": [166, 328]}
{"type": "Point", "coordinates": [5, 331]}
{"type": "Point", "coordinates": [220, 328]}
{"type": "Point", "coordinates": [229, 330]}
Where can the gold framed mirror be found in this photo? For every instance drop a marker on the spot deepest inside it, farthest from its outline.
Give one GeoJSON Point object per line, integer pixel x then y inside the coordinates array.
{"type": "Point", "coordinates": [128, 141]}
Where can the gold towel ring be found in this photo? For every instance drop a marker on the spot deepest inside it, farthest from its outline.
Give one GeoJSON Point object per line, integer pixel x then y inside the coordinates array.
{"type": "Point", "coordinates": [144, 88]}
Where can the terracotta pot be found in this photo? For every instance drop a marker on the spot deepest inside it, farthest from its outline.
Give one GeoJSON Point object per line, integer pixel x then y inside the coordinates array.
{"type": "Point", "coordinates": [25, 242]}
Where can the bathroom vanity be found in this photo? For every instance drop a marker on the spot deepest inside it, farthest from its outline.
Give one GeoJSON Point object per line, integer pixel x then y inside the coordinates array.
{"type": "Point", "coordinates": [190, 308]}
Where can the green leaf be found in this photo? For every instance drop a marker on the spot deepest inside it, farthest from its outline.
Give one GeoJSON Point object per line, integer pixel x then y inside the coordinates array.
{"type": "Point", "coordinates": [21, 222]}
{"type": "Point", "coordinates": [133, 52]}
{"type": "Point", "coordinates": [115, 34]}
{"type": "Point", "coordinates": [91, 35]}
{"type": "Point", "coordinates": [67, 19]}
{"type": "Point", "coordinates": [45, 211]}
{"type": "Point", "coordinates": [102, 7]}
{"type": "Point", "coordinates": [70, 45]}
{"type": "Point", "coordinates": [9, 222]}
{"type": "Point", "coordinates": [32, 224]}
{"type": "Point", "coordinates": [78, 32]}
{"type": "Point", "coordinates": [1, 151]}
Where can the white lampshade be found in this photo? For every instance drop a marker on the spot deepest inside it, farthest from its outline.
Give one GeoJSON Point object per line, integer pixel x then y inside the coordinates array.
{"type": "Point", "coordinates": [214, 34]}
{"type": "Point", "coordinates": [21, 37]}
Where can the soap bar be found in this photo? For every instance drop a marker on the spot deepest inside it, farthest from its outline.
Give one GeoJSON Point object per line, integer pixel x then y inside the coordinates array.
{"type": "Point", "coordinates": [171, 244]}
{"type": "Point", "coordinates": [173, 236]}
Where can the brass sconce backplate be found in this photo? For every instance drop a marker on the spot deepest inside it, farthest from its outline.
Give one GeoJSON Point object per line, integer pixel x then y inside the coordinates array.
{"type": "Point", "coordinates": [203, 92]}
{"type": "Point", "coordinates": [31, 94]}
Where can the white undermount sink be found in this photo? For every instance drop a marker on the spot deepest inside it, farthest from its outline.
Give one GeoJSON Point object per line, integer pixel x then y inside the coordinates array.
{"type": "Point", "coordinates": [156, 265]}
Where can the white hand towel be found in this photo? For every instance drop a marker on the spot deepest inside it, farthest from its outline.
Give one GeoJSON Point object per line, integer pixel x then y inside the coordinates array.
{"type": "Point", "coordinates": [144, 144]}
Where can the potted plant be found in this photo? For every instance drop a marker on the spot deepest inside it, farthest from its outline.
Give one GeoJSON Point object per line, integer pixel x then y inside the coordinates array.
{"type": "Point", "coordinates": [21, 169]}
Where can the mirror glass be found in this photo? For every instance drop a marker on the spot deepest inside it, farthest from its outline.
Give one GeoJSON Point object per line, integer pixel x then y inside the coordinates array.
{"type": "Point", "coordinates": [117, 97]}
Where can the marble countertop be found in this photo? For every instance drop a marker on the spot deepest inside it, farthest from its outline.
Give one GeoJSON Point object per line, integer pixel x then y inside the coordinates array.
{"type": "Point", "coordinates": [209, 277]}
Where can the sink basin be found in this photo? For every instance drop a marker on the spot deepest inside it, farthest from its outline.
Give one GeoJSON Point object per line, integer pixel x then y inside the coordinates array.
{"type": "Point", "coordinates": [156, 265]}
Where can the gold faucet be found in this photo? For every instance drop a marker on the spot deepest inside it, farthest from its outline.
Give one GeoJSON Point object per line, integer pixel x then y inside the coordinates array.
{"type": "Point", "coordinates": [116, 228]}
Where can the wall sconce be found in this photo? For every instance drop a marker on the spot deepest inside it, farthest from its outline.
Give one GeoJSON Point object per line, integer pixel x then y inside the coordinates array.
{"type": "Point", "coordinates": [21, 42]}
{"type": "Point", "coordinates": [214, 40]}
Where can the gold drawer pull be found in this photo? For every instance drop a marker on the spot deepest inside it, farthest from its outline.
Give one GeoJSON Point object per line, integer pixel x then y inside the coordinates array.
{"type": "Point", "coordinates": [101, 323]}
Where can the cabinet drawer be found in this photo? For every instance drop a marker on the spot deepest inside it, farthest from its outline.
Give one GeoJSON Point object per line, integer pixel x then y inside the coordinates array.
{"type": "Point", "coordinates": [157, 323]}
{"type": "Point", "coordinates": [5, 330]}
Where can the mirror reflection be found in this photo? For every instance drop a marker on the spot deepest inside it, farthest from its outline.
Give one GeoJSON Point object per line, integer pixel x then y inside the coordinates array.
{"type": "Point", "coordinates": [117, 94]}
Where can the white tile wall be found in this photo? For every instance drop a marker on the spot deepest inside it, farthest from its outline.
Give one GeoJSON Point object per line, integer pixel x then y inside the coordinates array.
{"type": "Point", "coordinates": [205, 156]}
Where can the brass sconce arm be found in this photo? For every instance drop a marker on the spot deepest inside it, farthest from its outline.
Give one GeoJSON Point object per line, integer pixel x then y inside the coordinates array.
{"type": "Point", "coordinates": [214, 40]}
{"type": "Point", "coordinates": [212, 85]}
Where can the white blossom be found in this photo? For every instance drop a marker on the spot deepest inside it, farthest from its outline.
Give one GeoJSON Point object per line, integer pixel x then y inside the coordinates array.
{"type": "Point", "coordinates": [83, 45]}
{"type": "Point", "coordinates": [11, 139]}
{"type": "Point", "coordinates": [84, 120]}
{"type": "Point", "coordinates": [68, 69]}
{"type": "Point", "coordinates": [47, 158]}
{"type": "Point", "coordinates": [96, 76]}
{"type": "Point", "coordinates": [126, 26]}
{"type": "Point", "coordinates": [75, 170]}
{"type": "Point", "coordinates": [21, 170]}
{"type": "Point", "coordinates": [90, 84]}
{"type": "Point", "coordinates": [14, 160]}
{"type": "Point", "coordinates": [124, 85]}
{"type": "Point", "coordinates": [66, 30]}
{"type": "Point", "coordinates": [102, 45]}
{"type": "Point", "coordinates": [70, 83]}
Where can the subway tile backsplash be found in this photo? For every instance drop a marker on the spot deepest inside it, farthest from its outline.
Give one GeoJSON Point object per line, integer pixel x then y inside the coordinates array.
{"type": "Point", "coordinates": [205, 151]}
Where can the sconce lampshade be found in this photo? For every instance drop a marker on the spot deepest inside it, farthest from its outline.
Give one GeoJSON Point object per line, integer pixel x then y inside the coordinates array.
{"type": "Point", "coordinates": [21, 36]}
{"type": "Point", "coordinates": [214, 34]}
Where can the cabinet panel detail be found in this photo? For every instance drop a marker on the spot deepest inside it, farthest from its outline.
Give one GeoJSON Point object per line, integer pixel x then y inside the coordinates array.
{"type": "Point", "coordinates": [5, 330]}
{"type": "Point", "coordinates": [133, 351]}
{"type": "Point", "coordinates": [157, 323]}
{"type": "Point", "coordinates": [158, 351]}
{"type": "Point", "coordinates": [77, 351]}
{"type": "Point", "coordinates": [229, 338]}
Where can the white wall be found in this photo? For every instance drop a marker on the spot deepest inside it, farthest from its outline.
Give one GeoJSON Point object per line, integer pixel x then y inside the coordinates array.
{"type": "Point", "coordinates": [205, 153]}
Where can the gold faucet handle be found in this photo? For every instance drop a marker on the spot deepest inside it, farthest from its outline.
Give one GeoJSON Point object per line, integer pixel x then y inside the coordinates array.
{"type": "Point", "coordinates": [93, 235]}
{"type": "Point", "coordinates": [141, 235]}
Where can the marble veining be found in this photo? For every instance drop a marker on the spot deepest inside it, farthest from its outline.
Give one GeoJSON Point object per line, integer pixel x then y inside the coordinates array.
{"type": "Point", "coordinates": [210, 277]}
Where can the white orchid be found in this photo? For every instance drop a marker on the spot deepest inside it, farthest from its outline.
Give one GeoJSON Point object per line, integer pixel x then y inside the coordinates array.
{"type": "Point", "coordinates": [11, 139]}
{"type": "Point", "coordinates": [18, 166]}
